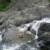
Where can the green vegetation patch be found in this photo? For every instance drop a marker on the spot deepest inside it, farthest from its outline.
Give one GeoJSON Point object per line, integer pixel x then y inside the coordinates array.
{"type": "Point", "coordinates": [49, 0]}
{"type": "Point", "coordinates": [4, 6]}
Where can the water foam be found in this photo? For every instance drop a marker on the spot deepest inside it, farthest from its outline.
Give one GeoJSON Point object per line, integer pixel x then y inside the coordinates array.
{"type": "Point", "coordinates": [13, 47]}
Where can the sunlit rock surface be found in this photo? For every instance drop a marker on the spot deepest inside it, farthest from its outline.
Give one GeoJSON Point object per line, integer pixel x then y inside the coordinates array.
{"type": "Point", "coordinates": [25, 11]}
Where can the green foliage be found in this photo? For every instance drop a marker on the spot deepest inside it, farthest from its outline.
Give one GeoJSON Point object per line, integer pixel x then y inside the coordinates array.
{"type": "Point", "coordinates": [49, 0]}
{"type": "Point", "coordinates": [4, 6]}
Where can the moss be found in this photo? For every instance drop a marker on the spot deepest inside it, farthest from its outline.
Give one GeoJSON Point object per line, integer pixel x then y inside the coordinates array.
{"type": "Point", "coordinates": [4, 6]}
{"type": "Point", "coordinates": [49, 0]}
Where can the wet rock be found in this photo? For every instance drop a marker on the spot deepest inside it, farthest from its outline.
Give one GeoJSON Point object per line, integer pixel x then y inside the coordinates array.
{"type": "Point", "coordinates": [26, 47]}
{"type": "Point", "coordinates": [44, 41]}
{"type": "Point", "coordinates": [21, 12]}
{"type": "Point", "coordinates": [45, 27]}
{"type": "Point", "coordinates": [15, 36]}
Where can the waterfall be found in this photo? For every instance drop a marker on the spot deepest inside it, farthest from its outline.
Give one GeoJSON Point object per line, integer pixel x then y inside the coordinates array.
{"type": "Point", "coordinates": [35, 24]}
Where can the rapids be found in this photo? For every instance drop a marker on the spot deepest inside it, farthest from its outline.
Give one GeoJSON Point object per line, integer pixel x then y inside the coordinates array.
{"type": "Point", "coordinates": [34, 27]}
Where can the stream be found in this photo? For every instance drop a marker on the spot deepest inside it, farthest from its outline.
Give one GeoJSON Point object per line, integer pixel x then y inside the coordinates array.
{"type": "Point", "coordinates": [33, 44]}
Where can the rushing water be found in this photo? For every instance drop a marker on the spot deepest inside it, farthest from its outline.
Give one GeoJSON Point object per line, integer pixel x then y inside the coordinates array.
{"type": "Point", "coordinates": [34, 26]}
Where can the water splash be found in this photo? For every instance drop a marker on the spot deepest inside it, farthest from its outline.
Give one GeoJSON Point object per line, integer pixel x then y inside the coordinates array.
{"type": "Point", "coordinates": [13, 47]}
{"type": "Point", "coordinates": [0, 37]}
{"type": "Point", "coordinates": [36, 24]}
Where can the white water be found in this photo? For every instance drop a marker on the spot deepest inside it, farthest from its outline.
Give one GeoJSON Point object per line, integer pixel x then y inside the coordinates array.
{"type": "Point", "coordinates": [35, 26]}
{"type": "Point", "coordinates": [13, 47]}
{"type": "Point", "coordinates": [17, 47]}
{"type": "Point", "coordinates": [0, 38]}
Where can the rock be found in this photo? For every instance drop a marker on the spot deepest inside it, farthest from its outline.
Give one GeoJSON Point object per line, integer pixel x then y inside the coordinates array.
{"type": "Point", "coordinates": [15, 36]}
{"type": "Point", "coordinates": [26, 47]}
{"type": "Point", "coordinates": [23, 11]}
{"type": "Point", "coordinates": [45, 27]}
{"type": "Point", "coordinates": [45, 41]}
